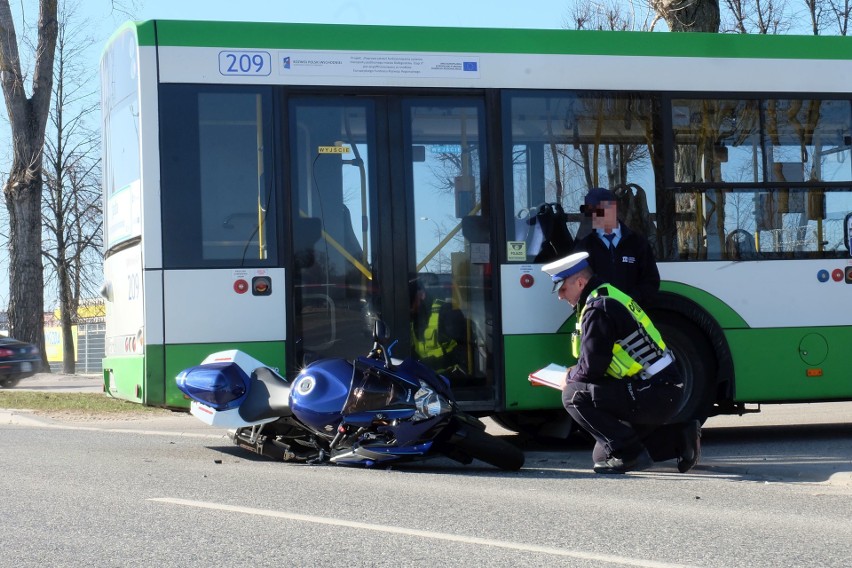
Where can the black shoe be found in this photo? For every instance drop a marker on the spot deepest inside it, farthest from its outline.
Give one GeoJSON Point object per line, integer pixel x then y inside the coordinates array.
{"type": "Point", "coordinates": [691, 452]}
{"type": "Point", "coordinates": [618, 465]}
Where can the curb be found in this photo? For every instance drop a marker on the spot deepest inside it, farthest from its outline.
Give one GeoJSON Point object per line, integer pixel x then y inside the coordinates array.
{"type": "Point", "coordinates": [151, 426]}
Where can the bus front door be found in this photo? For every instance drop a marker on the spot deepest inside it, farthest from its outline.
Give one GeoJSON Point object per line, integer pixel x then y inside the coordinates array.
{"type": "Point", "coordinates": [387, 207]}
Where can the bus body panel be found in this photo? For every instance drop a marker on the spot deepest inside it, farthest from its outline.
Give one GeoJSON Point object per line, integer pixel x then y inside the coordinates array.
{"type": "Point", "coordinates": [770, 294]}
{"type": "Point", "coordinates": [506, 71]}
{"type": "Point", "coordinates": [124, 317]}
{"type": "Point", "coordinates": [203, 306]}
{"type": "Point", "coordinates": [529, 305]}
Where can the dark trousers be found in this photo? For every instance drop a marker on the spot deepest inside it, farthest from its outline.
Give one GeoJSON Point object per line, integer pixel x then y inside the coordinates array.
{"type": "Point", "coordinates": [624, 416]}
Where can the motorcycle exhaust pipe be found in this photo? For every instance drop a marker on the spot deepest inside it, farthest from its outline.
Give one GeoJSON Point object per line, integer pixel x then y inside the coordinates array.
{"type": "Point", "coordinates": [269, 449]}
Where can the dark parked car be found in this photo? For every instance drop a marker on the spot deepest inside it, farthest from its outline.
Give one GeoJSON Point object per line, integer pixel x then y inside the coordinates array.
{"type": "Point", "coordinates": [18, 360]}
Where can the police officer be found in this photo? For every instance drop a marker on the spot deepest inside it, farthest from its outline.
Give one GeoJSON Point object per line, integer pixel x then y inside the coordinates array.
{"type": "Point", "coordinates": [625, 385]}
{"type": "Point", "coordinates": [618, 255]}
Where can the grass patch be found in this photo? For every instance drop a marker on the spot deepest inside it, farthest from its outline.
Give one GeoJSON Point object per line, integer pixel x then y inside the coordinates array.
{"type": "Point", "coordinates": [81, 402]}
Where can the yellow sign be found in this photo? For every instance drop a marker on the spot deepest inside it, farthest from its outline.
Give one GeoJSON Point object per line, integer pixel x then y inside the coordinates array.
{"type": "Point", "coordinates": [333, 149]}
{"type": "Point", "coordinates": [53, 343]}
{"type": "Point", "coordinates": [86, 311]}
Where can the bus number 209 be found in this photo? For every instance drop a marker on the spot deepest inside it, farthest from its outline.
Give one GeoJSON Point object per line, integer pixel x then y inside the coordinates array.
{"type": "Point", "coordinates": [133, 286]}
{"type": "Point", "coordinates": [245, 63]}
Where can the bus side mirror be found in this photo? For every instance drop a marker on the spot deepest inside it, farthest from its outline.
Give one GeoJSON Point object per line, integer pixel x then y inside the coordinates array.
{"type": "Point", "coordinates": [847, 228]}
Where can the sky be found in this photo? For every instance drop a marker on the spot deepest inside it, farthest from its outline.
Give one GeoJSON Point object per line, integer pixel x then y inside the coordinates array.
{"type": "Point", "coordinates": [452, 13]}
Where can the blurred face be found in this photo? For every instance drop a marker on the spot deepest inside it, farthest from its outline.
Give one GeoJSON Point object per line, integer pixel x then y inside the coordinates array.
{"type": "Point", "coordinates": [605, 216]}
{"type": "Point", "coordinates": [571, 289]}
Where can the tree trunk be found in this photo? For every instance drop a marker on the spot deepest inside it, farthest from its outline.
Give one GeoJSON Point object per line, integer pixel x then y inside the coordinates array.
{"type": "Point", "coordinates": [27, 120]}
{"type": "Point", "coordinates": [689, 15]}
{"type": "Point", "coordinates": [26, 271]}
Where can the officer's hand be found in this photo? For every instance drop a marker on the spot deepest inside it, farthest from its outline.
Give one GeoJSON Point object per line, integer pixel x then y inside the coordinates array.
{"type": "Point", "coordinates": [565, 378]}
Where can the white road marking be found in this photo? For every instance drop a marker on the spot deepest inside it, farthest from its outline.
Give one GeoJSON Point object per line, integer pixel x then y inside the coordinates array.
{"type": "Point", "coordinates": [517, 546]}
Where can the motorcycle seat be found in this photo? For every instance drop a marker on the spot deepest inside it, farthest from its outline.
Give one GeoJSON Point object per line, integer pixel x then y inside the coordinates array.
{"type": "Point", "coordinates": [268, 397]}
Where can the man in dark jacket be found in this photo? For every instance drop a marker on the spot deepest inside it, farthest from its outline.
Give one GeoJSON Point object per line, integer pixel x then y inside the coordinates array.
{"type": "Point", "coordinates": [618, 255]}
{"type": "Point", "coordinates": [625, 386]}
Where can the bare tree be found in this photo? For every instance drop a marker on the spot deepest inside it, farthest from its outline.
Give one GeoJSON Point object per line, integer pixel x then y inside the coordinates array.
{"type": "Point", "coordinates": [72, 211]}
{"type": "Point", "coordinates": [828, 16]}
{"type": "Point", "coordinates": [756, 17]}
{"type": "Point", "coordinates": [23, 190]}
{"type": "Point", "coordinates": [608, 15]}
{"type": "Point", "coordinates": [841, 11]}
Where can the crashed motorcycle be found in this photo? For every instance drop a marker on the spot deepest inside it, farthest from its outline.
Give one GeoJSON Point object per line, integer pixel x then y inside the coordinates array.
{"type": "Point", "coordinates": [373, 411]}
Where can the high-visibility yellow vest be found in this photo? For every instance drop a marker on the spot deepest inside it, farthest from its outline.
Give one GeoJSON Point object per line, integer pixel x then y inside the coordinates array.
{"type": "Point", "coordinates": [429, 346]}
{"type": "Point", "coordinates": [641, 353]}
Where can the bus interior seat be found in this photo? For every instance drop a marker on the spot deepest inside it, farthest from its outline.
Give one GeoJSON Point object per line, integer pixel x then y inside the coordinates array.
{"type": "Point", "coordinates": [633, 209]}
{"type": "Point", "coordinates": [739, 245]}
{"type": "Point", "coordinates": [476, 229]}
{"type": "Point", "coordinates": [558, 241]}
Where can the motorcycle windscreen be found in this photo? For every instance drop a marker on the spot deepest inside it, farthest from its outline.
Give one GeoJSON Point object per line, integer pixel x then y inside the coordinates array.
{"type": "Point", "coordinates": [374, 390]}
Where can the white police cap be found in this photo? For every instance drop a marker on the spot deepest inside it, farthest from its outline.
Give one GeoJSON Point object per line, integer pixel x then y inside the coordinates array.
{"type": "Point", "coordinates": [563, 268]}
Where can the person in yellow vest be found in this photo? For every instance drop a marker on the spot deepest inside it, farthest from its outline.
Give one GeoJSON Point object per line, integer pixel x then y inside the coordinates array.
{"type": "Point", "coordinates": [625, 386]}
{"type": "Point", "coordinates": [437, 331]}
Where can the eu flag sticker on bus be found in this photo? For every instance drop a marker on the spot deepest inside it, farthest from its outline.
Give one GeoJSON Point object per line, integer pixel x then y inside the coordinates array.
{"type": "Point", "coordinates": [470, 66]}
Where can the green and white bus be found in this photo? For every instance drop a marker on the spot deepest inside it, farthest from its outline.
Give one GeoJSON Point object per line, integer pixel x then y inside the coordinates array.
{"type": "Point", "coordinates": [276, 187]}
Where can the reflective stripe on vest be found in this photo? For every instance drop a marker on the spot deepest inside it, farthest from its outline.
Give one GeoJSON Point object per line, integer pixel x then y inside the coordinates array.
{"type": "Point", "coordinates": [430, 346]}
{"type": "Point", "coordinates": [642, 353]}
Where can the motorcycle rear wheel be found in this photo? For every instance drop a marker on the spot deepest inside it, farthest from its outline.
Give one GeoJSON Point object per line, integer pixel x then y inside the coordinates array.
{"type": "Point", "coordinates": [482, 446]}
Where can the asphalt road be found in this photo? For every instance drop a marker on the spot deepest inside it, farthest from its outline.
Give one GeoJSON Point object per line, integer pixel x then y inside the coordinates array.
{"type": "Point", "coordinates": [161, 492]}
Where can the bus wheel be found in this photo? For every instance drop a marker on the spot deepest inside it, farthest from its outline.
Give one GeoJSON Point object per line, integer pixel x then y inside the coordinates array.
{"type": "Point", "coordinates": [542, 425]}
{"type": "Point", "coordinates": [695, 361]}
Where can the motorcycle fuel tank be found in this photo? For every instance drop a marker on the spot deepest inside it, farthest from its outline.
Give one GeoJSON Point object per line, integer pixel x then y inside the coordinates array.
{"type": "Point", "coordinates": [319, 392]}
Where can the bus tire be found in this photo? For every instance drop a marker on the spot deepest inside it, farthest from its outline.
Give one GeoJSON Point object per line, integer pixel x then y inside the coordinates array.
{"type": "Point", "coordinates": [695, 361]}
{"type": "Point", "coordinates": [478, 444]}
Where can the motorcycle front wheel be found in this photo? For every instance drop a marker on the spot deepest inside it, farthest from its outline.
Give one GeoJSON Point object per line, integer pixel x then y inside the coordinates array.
{"type": "Point", "coordinates": [478, 444]}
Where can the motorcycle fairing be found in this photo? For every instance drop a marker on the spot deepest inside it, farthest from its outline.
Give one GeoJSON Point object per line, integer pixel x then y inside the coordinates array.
{"type": "Point", "coordinates": [375, 388]}
{"type": "Point", "coordinates": [222, 418]}
{"type": "Point", "coordinates": [372, 455]}
{"type": "Point", "coordinates": [221, 385]}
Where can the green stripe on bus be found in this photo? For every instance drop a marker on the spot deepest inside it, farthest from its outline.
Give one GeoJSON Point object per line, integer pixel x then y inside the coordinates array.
{"type": "Point", "coordinates": [123, 377]}
{"type": "Point", "coordinates": [528, 353]}
{"type": "Point", "coordinates": [484, 40]}
{"type": "Point", "coordinates": [772, 365]}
